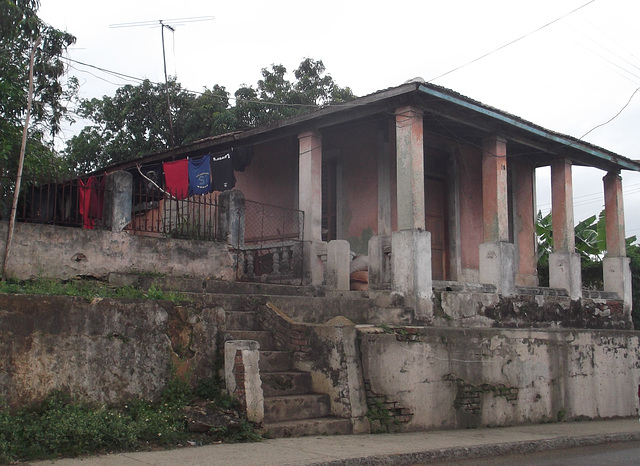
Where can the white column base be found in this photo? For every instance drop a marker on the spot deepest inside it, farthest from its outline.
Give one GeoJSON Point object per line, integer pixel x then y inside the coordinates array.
{"type": "Point", "coordinates": [565, 273]}
{"type": "Point", "coordinates": [617, 278]}
{"type": "Point", "coordinates": [497, 266]}
{"type": "Point", "coordinates": [411, 270]}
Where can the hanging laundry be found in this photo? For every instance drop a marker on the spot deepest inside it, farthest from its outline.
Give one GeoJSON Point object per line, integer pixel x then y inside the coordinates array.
{"type": "Point", "coordinates": [200, 175]}
{"type": "Point", "coordinates": [84, 204]}
{"type": "Point", "coordinates": [241, 157]}
{"type": "Point", "coordinates": [96, 196]}
{"type": "Point", "coordinates": [176, 178]}
{"type": "Point", "coordinates": [222, 172]}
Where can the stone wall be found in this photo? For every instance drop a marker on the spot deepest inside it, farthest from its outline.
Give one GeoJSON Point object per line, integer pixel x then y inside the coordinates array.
{"type": "Point", "coordinates": [105, 350]}
{"type": "Point", "coordinates": [61, 252]}
{"type": "Point", "coordinates": [461, 378]}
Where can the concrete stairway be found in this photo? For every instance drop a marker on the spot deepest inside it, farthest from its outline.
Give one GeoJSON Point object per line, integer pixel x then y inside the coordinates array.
{"type": "Point", "coordinates": [291, 409]}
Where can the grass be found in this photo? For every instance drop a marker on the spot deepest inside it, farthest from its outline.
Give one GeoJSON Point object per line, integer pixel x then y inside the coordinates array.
{"type": "Point", "coordinates": [61, 426]}
{"type": "Point", "coordinates": [87, 288]}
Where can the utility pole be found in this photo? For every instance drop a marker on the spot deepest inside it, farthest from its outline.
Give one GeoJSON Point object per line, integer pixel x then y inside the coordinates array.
{"type": "Point", "coordinates": [16, 193]}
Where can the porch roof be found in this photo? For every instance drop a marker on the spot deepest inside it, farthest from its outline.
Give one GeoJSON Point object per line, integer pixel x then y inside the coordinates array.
{"type": "Point", "coordinates": [447, 112]}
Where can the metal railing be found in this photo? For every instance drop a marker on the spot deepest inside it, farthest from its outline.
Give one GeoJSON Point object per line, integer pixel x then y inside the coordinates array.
{"type": "Point", "coordinates": [273, 248]}
{"type": "Point", "coordinates": [155, 213]}
{"type": "Point", "coordinates": [267, 224]}
{"type": "Point", "coordinates": [74, 203]}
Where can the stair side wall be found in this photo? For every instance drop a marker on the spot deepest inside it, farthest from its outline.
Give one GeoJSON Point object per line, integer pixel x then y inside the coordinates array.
{"type": "Point", "coordinates": [329, 352]}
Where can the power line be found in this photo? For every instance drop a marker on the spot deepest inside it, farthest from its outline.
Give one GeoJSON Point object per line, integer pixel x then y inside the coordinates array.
{"type": "Point", "coordinates": [511, 42]}
{"type": "Point", "coordinates": [613, 117]}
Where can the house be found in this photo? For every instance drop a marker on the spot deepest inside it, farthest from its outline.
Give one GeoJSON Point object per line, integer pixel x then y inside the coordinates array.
{"type": "Point", "coordinates": [421, 158]}
{"type": "Point", "coordinates": [437, 190]}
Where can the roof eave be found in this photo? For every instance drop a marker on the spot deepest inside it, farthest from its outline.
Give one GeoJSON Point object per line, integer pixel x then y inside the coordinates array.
{"type": "Point", "coordinates": [605, 156]}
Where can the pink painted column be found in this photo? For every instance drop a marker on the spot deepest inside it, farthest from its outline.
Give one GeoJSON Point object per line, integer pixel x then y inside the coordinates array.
{"type": "Point", "coordinates": [410, 168]}
{"type": "Point", "coordinates": [614, 215]}
{"type": "Point", "coordinates": [497, 255]}
{"type": "Point", "coordinates": [310, 184]}
{"type": "Point", "coordinates": [495, 206]}
{"type": "Point", "coordinates": [562, 206]}
{"type": "Point", "coordinates": [564, 262]}
{"type": "Point", "coordinates": [616, 265]}
{"type": "Point", "coordinates": [524, 224]}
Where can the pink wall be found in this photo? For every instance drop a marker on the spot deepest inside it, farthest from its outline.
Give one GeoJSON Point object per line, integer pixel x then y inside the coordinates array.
{"type": "Point", "coordinates": [357, 147]}
{"type": "Point", "coordinates": [272, 176]}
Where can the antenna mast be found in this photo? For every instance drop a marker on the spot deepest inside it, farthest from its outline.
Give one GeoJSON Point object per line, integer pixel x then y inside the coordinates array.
{"type": "Point", "coordinates": [163, 24]}
{"type": "Point", "coordinates": [166, 80]}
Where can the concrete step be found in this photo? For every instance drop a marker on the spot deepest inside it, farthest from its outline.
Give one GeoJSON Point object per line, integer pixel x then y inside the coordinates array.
{"type": "Point", "coordinates": [300, 428]}
{"type": "Point", "coordinates": [295, 407]}
{"type": "Point", "coordinates": [285, 383]}
{"type": "Point", "coordinates": [261, 336]}
{"type": "Point", "coordinates": [276, 361]}
{"type": "Point", "coordinates": [241, 320]}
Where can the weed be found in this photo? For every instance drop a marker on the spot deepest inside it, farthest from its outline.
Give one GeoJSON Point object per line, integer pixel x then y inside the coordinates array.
{"type": "Point", "coordinates": [379, 416]}
{"type": "Point", "coordinates": [88, 289]}
{"type": "Point", "coordinates": [63, 426]}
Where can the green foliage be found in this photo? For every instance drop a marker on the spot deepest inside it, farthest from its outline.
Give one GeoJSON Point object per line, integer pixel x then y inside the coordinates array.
{"type": "Point", "coordinates": [381, 419]}
{"type": "Point", "coordinates": [87, 289]}
{"type": "Point", "coordinates": [19, 29]}
{"type": "Point", "coordinates": [135, 121]}
{"type": "Point", "coordinates": [633, 252]}
{"type": "Point", "coordinates": [590, 235]}
{"type": "Point", "coordinates": [63, 426]}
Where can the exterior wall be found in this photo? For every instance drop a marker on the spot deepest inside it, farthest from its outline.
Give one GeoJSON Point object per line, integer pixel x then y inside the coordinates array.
{"type": "Point", "coordinates": [357, 149]}
{"type": "Point", "coordinates": [472, 378]}
{"type": "Point", "coordinates": [60, 252]}
{"type": "Point", "coordinates": [104, 350]}
{"type": "Point", "coordinates": [272, 175]}
{"type": "Point", "coordinates": [471, 226]}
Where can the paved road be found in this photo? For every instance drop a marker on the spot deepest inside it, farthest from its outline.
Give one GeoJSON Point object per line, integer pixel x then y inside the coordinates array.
{"type": "Point", "coordinates": [611, 454]}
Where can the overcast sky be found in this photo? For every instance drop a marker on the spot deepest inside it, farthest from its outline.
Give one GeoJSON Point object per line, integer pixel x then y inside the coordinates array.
{"type": "Point", "coordinates": [571, 76]}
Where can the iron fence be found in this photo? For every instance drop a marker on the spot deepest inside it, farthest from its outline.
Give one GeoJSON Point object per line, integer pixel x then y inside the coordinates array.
{"type": "Point", "coordinates": [157, 213]}
{"type": "Point", "coordinates": [273, 248]}
{"type": "Point", "coordinates": [268, 224]}
{"type": "Point", "coordinates": [73, 203]}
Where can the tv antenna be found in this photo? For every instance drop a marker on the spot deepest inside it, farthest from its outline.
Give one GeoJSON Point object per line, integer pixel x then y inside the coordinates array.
{"type": "Point", "coordinates": [170, 24]}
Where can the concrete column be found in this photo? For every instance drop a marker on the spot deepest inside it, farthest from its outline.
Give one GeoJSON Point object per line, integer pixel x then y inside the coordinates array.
{"type": "Point", "coordinates": [616, 266]}
{"type": "Point", "coordinates": [524, 224]}
{"type": "Point", "coordinates": [497, 255]}
{"type": "Point", "coordinates": [232, 209]}
{"type": "Point", "coordinates": [338, 259]}
{"type": "Point", "coordinates": [564, 262]}
{"type": "Point", "coordinates": [310, 184]}
{"type": "Point", "coordinates": [495, 204]}
{"type": "Point", "coordinates": [614, 215]}
{"type": "Point", "coordinates": [118, 200]}
{"type": "Point", "coordinates": [411, 270]}
{"type": "Point", "coordinates": [562, 206]}
{"type": "Point", "coordinates": [410, 168]}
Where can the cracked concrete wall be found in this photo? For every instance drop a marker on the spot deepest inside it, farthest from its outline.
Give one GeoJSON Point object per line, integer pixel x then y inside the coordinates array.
{"type": "Point", "coordinates": [105, 350]}
{"type": "Point", "coordinates": [62, 252]}
{"type": "Point", "coordinates": [460, 378]}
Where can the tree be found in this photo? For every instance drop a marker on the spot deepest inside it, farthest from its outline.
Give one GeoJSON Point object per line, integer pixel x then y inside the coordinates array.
{"type": "Point", "coordinates": [135, 123]}
{"type": "Point", "coordinates": [19, 29]}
